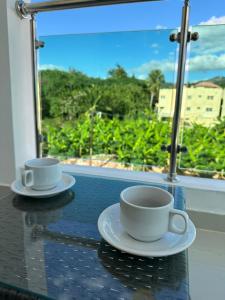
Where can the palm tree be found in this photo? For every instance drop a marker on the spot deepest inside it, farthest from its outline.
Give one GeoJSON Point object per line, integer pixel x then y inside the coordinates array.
{"type": "Point", "coordinates": [93, 94]}
{"type": "Point", "coordinates": [155, 81]}
{"type": "Point", "coordinates": [118, 72]}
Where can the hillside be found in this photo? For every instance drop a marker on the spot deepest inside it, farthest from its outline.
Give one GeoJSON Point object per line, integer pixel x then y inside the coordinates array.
{"type": "Point", "coordinates": [220, 80]}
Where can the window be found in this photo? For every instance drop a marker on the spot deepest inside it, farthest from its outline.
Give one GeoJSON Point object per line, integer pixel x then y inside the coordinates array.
{"type": "Point", "coordinates": [188, 108]}
{"type": "Point", "coordinates": [163, 97]}
{"type": "Point", "coordinates": [199, 96]}
{"type": "Point", "coordinates": [198, 107]}
{"type": "Point", "coordinates": [161, 107]}
{"type": "Point", "coordinates": [210, 97]}
{"type": "Point", "coordinates": [189, 97]}
{"type": "Point", "coordinates": [209, 109]}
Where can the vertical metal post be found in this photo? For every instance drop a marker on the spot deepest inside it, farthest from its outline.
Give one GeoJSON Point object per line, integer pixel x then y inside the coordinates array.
{"type": "Point", "coordinates": [172, 176]}
{"type": "Point", "coordinates": [91, 137]}
{"type": "Point", "coordinates": [37, 109]}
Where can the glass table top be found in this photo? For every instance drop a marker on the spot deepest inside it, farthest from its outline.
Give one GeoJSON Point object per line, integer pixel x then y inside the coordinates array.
{"type": "Point", "coordinates": [52, 247]}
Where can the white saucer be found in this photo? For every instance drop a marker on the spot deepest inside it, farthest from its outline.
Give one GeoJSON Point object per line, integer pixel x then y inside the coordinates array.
{"type": "Point", "coordinates": [112, 231]}
{"type": "Point", "coordinates": [67, 182]}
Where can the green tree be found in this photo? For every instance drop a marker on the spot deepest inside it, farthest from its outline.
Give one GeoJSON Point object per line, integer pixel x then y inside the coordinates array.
{"type": "Point", "coordinates": [118, 73]}
{"type": "Point", "coordinates": [155, 80]}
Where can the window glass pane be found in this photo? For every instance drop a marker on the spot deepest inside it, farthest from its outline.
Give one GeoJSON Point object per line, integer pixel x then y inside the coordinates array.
{"type": "Point", "coordinates": [202, 126]}
{"type": "Point", "coordinates": [101, 98]}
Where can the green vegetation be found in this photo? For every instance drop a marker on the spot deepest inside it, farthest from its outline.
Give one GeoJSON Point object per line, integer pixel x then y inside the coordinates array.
{"type": "Point", "coordinates": [68, 95]}
{"type": "Point", "coordinates": [129, 140]}
{"type": "Point", "coordinates": [85, 116]}
{"type": "Point", "coordinates": [205, 147]}
{"type": "Point", "coordinates": [155, 81]}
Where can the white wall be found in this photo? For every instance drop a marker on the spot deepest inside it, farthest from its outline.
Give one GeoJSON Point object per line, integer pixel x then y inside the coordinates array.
{"type": "Point", "coordinates": [17, 131]}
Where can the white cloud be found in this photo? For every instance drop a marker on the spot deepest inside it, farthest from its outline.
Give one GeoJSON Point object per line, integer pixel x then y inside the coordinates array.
{"type": "Point", "coordinates": [155, 45]}
{"type": "Point", "coordinates": [141, 76]}
{"type": "Point", "coordinates": [143, 70]}
{"type": "Point", "coordinates": [207, 62]}
{"type": "Point", "coordinates": [211, 40]}
{"type": "Point", "coordinates": [160, 27]}
{"type": "Point", "coordinates": [200, 63]}
{"type": "Point", "coordinates": [214, 21]}
{"type": "Point", "coordinates": [51, 67]}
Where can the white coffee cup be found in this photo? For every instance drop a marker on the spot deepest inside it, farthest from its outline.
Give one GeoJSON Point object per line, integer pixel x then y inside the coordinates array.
{"type": "Point", "coordinates": [41, 173]}
{"type": "Point", "coordinates": [147, 213]}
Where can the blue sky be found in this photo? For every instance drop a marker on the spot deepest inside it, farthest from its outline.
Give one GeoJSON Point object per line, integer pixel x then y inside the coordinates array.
{"type": "Point", "coordinates": [95, 54]}
{"type": "Point", "coordinates": [137, 52]}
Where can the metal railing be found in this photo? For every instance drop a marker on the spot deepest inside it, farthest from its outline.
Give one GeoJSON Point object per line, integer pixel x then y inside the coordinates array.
{"type": "Point", "coordinates": [26, 9]}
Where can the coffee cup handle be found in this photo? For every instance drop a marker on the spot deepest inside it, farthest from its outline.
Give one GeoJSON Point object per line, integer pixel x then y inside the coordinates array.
{"type": "Point", "coordinates": [27, 178]}
{"type": "Point", "coordinates": [172, 227]}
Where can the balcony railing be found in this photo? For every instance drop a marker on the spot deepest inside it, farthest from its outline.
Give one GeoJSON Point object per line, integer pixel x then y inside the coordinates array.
{"type": "Point", "coordinates": [108, 99]}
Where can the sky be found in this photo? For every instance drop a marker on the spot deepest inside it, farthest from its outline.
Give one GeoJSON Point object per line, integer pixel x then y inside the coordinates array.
{"type": "Point", "coordinates": [94, 40]}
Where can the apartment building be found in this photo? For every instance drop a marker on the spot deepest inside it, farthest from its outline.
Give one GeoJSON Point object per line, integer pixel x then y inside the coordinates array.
{"type": "Point", "coordinates": [202, 103]}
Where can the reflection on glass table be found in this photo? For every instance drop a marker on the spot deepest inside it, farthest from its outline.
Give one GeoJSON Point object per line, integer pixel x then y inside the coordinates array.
{"type": "Point", "coordinates": [52, 247]}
